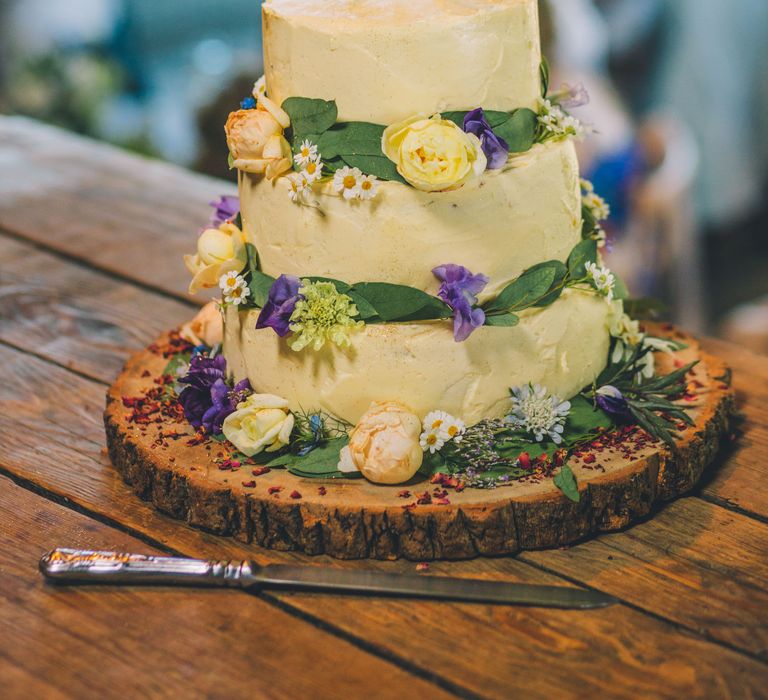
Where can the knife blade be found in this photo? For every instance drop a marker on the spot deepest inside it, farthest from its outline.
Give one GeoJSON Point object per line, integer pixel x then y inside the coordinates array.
{"type": "Point", "coordinates": [85, 566]}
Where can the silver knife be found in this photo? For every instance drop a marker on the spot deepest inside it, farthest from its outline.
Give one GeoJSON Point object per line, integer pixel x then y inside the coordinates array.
{"type": "Point", "coordinates": [83, 566]}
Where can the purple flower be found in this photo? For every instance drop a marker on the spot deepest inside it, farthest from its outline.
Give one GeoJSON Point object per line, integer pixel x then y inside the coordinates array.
{"type": "Point", "coordinates": [573, 96]}
{"type": "Point", "coordinates": [281, 302]}
{"type": "Point", "coordinates": [459, 289]}
{"type": "Point", "coordinates": [224, 400]}
{"type": "Point", "coordinates": [612, 401]}
{"type": "Point", "coordinates": [207, 399]}
{"type": "Point", "coordinates": [495, 148]}
{"type": "Point", "coordinates": [203, 373]}
{"type": "Point", "coordinates": [225, 209]}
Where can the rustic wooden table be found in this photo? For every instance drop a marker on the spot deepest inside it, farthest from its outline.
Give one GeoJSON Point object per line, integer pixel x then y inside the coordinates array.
{"type": "Point", "coordinates": [91, 241]}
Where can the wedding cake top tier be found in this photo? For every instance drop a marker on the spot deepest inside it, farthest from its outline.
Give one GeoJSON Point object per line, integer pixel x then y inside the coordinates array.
{"type": "Point", "coordinates": [386, 60]}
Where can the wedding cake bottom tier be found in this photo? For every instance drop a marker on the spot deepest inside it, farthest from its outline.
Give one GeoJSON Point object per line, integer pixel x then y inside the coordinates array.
{"type": "Point", "coordinates": [562, 347]}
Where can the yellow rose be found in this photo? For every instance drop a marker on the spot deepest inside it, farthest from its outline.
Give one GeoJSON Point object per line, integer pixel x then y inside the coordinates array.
{"type": "Point", "coordinates": [433, 154]}
{"type": "Point", "coordinates": [207, 328]}
{"type": "Point", "coordinates": [219, 250]}
{"type": "Point", "coordinates": [384, 445]}
{"type": "Point", "coordinates": [261, 422]}
{"type": "Point", "coordinates": [256, 142]}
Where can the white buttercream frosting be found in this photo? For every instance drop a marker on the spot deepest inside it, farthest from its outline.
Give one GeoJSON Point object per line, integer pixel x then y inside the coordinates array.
{"type": "Point", "coordinates": [385, 60]}
{"type": "Point", "coordinates": [509, 221]}
{"type": "Point", "coordinates": [562, 347]}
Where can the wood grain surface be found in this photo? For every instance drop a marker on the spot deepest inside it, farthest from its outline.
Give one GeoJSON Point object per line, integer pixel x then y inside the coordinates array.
{"type": "Point", "coordinates": [89, 272]}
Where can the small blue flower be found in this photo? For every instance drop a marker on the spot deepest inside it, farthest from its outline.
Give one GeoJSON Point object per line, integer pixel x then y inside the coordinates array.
{"type": "Point", "coordinates": [248, 103]}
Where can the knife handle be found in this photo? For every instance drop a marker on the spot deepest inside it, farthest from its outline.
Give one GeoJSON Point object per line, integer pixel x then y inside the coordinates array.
{"type": "Point", "coordinates": [84, 566]}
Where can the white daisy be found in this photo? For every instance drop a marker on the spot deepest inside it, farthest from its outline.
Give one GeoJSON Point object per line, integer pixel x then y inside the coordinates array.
{"type": "Point", "coordinates": [237, 295]}
{"type": "Point", "coordinates": [307, 153]}
{"type": "Point", "coordinates": [558, 123]}
{"type": "Point", "coordinates": [346, 181]}
{"type": "Point", "coordinates": [369, 187]}
{"type": "Point", "coordinates": [596, 205]}
{"type": "Point", "coordinates": [312, 170]}
{"type": "Point", "coordinates": [602, 279]}
{"type": "Point", "coordinates": [537, 412]}
{"type": "Point", "coordinates": [298, 187]}
{"type": "Point", "coordinates": [432, 441]}
{"type": "Point", "coordinates": [230, 281]}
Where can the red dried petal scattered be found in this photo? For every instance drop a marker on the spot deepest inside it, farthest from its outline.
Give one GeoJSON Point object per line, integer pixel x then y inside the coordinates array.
{"type": "Point", "coordinates": [258, 471]}
{"type": "Point", "coordinates": [295, 495]}
{"type": "Point", "coordinates": [249, 484]}
{"type": "Point", "coordinates": [274, 489]}
{"type": "Point", "coordinates": [405, 493]}
{"type": "Point", "coordinates": [422, 566]}
{"type": "Point", "coordinates": [322, 490]}
{"type": "Point", "coordinates": [424, 499]}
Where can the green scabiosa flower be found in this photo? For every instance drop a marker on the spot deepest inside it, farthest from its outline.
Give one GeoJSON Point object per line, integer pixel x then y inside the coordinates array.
{"type": "Point", "coordinates": [322, 314]}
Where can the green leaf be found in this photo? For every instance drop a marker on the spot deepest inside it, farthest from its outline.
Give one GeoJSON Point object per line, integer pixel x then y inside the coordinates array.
{"type": "Point", "coordinates": [310, 117]}
{"type": "Point", "coordinates": [260, 285]}
{"type": "Point", "coordinates": [502, 320]}
{"type": "Point", "coordinates": [620, 290]}
{"type": "Point", "coordinates": [176, 362]}
{"type": "Point", "coordinates": [533, 288]}
{"type": "Point", "coordinates": [645, 307]}
{"type": "Point", "coordinates": [380, 166]}
{"type": "Point", "coordinates": [589, 222]}
{"type": "Point", "coordinates": [544, 72]}
{"type": "Point", "coordinates": [351, 139]}
{"type": "Point", "coordinates": [523, 291]}
{"type": "Point", "coordinates": [519, 131]}
{"type": "Point", "coordinates": [492, 116]}
{"type": "Point", "coordinates": [319, 462]}
{"type": "Point", "coordinates": [584, 419]}
{"type": "Point", "coordinates": [366, 312]}
{"type": "Point", "coordinates": [584, 252]}
{"type": "Point", "coordinates": [394, 302]}
{"type": "Point", "coordinates": [230, 161]}
{"type": "Point", "coordinates": [341, 287]}
{"type": "Point", "coordinates": [566, 482]}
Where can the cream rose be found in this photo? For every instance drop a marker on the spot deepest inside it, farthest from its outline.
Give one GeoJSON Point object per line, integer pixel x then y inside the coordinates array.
{"type": "Point", "coordinates": [256, 142]}
{"type": "Point", "coordinates": [219, 250]}
{"type": "Point", "coordinates": [207, 328]}
{"type": "Point", "coordinates": [261, 422]}
{"type": "Point", "coordinates": [433, 154]}
{"type": "Point", "coordinates": [384, 445]}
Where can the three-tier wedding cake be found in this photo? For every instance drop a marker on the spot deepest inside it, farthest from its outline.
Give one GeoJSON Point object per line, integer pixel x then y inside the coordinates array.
{"type": "Point", "coordinates": [413, 262]}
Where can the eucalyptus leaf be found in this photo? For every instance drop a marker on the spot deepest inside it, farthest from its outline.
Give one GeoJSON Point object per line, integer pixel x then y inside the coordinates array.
{"type": "Point", "coordinates": [366, 312]}
{"type": "Point", "coordinates": [393, 302]}
{"type": "Point", "coordinates": [310, 116]}
{"type": "Point", "coordinates": [341, 287]}
{"type": "Point", "coordinates": [544, 73]}
{"type": "Point", "coordinates": [530, 289]}
{"type": "Point", "coordinates": [566, 482]}
{"type": "Point", "coordinates": [502, 320]}
{"type": "Point", "coordinates": [561, 272]}
{"type": "Point", "coordinates": [351, 139]}
{"type": "Point", "coordinates": [589, 222]}
{"type": "Point", "coordinates": [380, 166]}
{"type": "Point", "coordinates": [519, 131]}
{"type": "Point", "coordinates": [620, 290]}
{"type": "Point", "coordinates": [260, 285]}
{"type": "Point", "coordinates": [583, 419]}
{"type": "Point", "coordinates": [584, 252]}
{"type": "Point", "coordinates": [320, 461]}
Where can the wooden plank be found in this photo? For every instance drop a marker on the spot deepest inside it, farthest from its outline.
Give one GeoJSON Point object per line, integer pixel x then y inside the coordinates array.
{"type": "Point", "coordinates": [157, 642]}
{"type": "Point", "coordinates": [740, 478]}
{"type": "Point", "coordinates": [545, 653]}
{"type": "Point", "coordinates": [126, 214]}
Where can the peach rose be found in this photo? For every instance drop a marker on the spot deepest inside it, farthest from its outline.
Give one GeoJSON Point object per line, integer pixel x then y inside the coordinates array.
{"type": "Point", "coordinates": [256, 142]}
{"type": "Point", "coordinates": [384, 445]}
{"type": "Point", "coordinates": [207, 328]}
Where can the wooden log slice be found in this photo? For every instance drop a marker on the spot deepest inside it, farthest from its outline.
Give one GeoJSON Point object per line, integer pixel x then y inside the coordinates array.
{"type": "Point", "coordinates": [621, 480]}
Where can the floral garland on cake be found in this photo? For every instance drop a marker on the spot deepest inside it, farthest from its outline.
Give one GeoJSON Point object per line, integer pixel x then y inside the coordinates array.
{"type": "Point", "coordinates": [302, 141]}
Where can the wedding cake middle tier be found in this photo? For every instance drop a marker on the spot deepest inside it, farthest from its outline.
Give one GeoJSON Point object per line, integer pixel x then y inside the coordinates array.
{"type": "Point", "coordinates": [513, 218]}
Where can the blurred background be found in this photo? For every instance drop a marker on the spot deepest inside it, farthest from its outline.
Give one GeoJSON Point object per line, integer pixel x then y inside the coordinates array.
{"type": "Point", "coordinates": [679, 103]}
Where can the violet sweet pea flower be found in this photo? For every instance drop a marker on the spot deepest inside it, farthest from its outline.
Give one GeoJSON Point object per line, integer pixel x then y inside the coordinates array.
{"type": "Point", "coordinates": [459, 289]}
{"type": "Point", "coordinates": [224, 400]}
{"type": "Point", "coordinates": [203, 373]}
{"type": "Point", "coordinates": [612, 401]}
{"type": "Point", "coordinates": [495, 148]}
{"type": "Point", "coordinates": [281, 302]}
{"type": "Point", "coordinates": [225, 209]}
{"type": "Point", "coordinates": [573, 96]}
